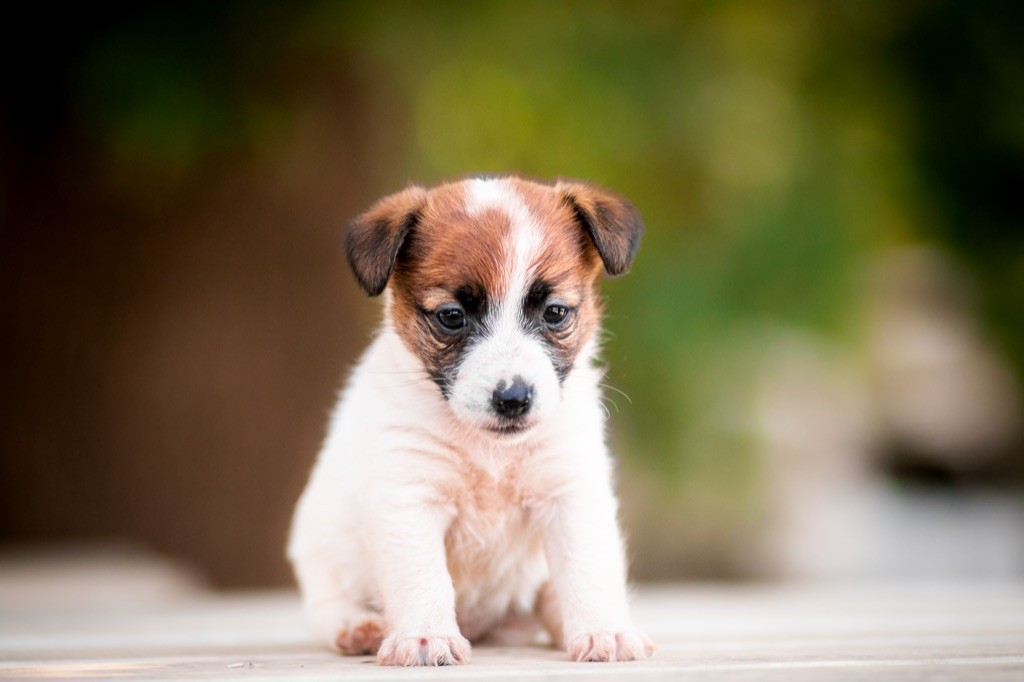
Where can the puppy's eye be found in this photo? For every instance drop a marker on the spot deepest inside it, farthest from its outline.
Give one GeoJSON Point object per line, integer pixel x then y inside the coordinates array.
{"type": "Point", "coordinates": [555, 315]}
{"type": "Point", "coordinates": [451, 318]}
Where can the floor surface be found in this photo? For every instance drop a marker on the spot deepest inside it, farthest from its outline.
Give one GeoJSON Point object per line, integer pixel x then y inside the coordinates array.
{"type": "Point", "coordinates": [702, 633]}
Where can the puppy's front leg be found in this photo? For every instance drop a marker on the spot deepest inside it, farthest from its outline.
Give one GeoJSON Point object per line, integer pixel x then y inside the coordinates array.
{"type": "Point", "coordinates": [415, 587]}
{"type": "Point", "coordinates": [588, 570]}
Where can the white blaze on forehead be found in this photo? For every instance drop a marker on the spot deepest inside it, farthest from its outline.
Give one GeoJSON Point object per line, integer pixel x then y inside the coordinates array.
{"type": "Point", "coordinates": [485, 193]}
{"type": "Point", "coordinates": [506, 352]}
{"type": "Point", "coordinates": [523, 243]}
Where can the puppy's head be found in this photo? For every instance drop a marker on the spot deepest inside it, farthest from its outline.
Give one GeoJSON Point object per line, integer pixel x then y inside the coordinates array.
{"type": "Point", "coordinates": [494, 285]}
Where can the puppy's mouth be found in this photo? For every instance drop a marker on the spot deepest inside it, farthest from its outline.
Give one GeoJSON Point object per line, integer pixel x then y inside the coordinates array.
{"type": "Point", "coordinates": [510, 428]}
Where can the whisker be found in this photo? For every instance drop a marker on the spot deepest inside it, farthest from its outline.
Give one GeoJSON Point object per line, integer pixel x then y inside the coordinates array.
{"type": "Point", "coordinates": [612, 388]}
{"type": "Point", "coordinates": [614, 404]}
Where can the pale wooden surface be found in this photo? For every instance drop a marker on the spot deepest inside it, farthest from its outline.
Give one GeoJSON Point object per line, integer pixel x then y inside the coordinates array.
{"type": "Point", "coordinates": [171, 629]}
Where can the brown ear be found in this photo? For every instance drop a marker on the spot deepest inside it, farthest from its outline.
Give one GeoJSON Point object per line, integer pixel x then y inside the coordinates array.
{"type": "Point", "coordinates": [374, 238]}
{"type": "Point", "coordinates": [612, 222]}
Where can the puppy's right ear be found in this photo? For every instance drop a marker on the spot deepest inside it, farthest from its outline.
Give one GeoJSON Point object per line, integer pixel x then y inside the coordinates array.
{"type": "Point", "coordinates": [374, 238]}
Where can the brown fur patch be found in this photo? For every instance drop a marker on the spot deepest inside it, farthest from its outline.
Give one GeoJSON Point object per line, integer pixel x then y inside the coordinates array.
{"type": "Point", "coordinates": [452, 252]}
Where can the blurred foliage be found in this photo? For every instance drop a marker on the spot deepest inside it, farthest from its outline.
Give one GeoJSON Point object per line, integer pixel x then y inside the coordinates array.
{"type": "Point", "coordinates": [772, 146]}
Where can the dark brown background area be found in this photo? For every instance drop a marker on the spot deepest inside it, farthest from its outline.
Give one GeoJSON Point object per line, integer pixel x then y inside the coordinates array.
{"type": "Point", "coordinates": [169, 355]}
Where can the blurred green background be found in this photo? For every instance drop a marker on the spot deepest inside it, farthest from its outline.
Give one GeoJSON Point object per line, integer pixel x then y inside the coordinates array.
{"type": "Point", "coordinates": [825, 321]}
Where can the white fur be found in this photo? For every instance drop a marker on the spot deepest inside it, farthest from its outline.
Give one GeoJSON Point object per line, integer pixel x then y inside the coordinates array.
{"type": "Point", "coordinates": [419, 523]}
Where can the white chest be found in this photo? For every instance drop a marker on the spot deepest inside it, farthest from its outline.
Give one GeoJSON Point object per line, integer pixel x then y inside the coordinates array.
{"type": "Point", "coordinates": [494, 548]}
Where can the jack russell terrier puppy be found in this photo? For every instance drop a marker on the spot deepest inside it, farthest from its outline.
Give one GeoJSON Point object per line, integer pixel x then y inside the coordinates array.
{"type": "Point", "coordinates": [464, 489]}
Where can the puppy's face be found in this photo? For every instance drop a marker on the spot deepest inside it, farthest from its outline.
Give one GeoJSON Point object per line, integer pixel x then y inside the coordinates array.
{"type": "Point", "coordinates": [493, 286]}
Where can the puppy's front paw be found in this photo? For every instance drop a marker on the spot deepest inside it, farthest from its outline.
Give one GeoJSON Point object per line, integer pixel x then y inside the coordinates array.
{"type": "Point", "coordinates": [628, 645]}
{"type": "Point", "coordinates": [361, 636]}
{"type": "Point", "coordinates": [405, 649]}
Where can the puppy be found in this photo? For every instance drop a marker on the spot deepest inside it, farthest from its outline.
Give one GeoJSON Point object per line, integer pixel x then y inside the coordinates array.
{"type": "Point", "coordinates": [464, 489]}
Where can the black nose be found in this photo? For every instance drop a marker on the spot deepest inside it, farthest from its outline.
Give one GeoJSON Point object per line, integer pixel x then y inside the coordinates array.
{"type": "Point", "coordinates": [512, 401]}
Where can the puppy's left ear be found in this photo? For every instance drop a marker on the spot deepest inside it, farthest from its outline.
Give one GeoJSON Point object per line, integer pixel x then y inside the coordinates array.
{"type": "Point", "coordinates": [611, 220]}
{"type": "Point", "coordinates": [374, 238]}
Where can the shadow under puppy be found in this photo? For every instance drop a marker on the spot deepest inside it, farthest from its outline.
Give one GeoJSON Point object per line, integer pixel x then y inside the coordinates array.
{"type": "Point", "coordinates": [465, 489]}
